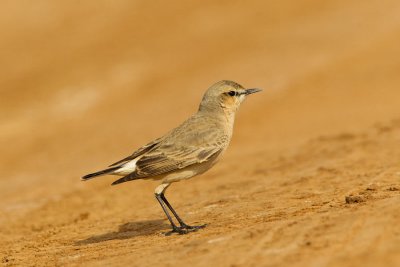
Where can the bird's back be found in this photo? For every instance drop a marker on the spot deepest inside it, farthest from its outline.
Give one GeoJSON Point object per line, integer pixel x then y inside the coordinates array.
{"type": "Point", "coordinates": [199, 130]}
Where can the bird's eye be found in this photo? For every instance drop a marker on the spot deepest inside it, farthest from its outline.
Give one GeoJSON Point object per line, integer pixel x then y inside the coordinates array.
{"type": "Point", "coordinates": [232, 93]}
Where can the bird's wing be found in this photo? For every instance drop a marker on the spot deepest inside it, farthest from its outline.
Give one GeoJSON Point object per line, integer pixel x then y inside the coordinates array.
{"type": "Point", "coordinates": [171, 157]}
{"type": "Point", "coordinates": [137, 153]}
{"type": "Point", "coordinates": [160, 162]}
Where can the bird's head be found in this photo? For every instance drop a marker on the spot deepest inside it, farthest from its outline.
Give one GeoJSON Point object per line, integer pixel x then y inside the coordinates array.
{"type": "Point", "coordinates": [227, 95]}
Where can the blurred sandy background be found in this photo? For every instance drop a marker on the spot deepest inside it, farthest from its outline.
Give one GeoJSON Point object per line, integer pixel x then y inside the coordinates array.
{"type": "Point", "coordinates": [84, 83]}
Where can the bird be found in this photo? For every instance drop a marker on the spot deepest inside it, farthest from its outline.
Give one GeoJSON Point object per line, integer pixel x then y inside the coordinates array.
{"type": "Point", "coordinates": [188, 150]}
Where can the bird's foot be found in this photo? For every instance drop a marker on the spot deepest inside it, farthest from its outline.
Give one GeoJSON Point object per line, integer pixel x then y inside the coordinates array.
{"type": "Point", "coordinates": [184, 229]}
{"type": "Point", "coordinates": [194, 227]}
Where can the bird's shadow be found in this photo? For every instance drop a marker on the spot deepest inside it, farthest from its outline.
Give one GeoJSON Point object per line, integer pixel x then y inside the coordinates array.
{"type": "Point", "coordinates": [126, 231]}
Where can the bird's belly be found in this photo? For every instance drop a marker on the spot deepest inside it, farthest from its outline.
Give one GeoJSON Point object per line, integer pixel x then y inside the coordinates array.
{"type": "Point", "coordinates": [188, 172]}
{"type": "Point", "coordinates": [178, 176]}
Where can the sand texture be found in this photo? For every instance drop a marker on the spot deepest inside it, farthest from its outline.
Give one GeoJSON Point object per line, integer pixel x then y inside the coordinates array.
{"type": "Point", "coordinates": [312, 175]}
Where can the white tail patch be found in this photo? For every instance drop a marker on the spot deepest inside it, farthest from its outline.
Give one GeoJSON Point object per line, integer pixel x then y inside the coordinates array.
{"type": "Point", "coordinates": [127, 168]}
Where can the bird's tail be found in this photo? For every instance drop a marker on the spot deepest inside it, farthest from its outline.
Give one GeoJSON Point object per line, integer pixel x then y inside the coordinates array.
{"type": "Point", "coordinates": [99, 173]}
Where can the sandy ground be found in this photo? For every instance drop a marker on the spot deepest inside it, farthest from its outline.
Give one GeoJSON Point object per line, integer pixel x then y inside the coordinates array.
{"type": "Point", "coordinates": [312, 176]}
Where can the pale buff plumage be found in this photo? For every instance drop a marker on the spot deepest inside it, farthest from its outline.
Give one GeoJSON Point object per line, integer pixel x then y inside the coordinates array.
{"type": "Point", "coordinates": [188, 150]}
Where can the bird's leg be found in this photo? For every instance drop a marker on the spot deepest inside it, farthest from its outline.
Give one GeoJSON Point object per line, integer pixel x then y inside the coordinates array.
{"type": "Point", "coordinates": [181, 222]}
{"type": "Point", "coordinates": [184, 228]}
{"type": "Point", "coordinates": [159, 192]}
{"type": "Point", "coordinates": [175, 229]}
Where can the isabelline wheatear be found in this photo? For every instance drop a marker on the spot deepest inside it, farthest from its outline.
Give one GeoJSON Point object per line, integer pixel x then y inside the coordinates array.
{"type": "Point", "coordinates": [186, 151]}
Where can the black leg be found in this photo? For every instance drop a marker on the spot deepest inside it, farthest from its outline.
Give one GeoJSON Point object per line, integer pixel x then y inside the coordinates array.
{"type": "Point", "coordinates": [181, 222]}
{"type": "Point", "coordinates": [175, 229]}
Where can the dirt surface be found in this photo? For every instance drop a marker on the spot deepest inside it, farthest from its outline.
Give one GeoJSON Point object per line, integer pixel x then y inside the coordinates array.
{"type": "Point", "coordinates": [312, 176]}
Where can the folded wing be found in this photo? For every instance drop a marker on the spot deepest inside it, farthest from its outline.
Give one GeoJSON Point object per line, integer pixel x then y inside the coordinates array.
{"type": "Point", "coordinates": [171, 157]}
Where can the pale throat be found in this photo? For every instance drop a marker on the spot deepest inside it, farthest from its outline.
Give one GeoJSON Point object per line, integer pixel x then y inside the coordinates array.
{"type": "Point", "coordinates": [229, 117]}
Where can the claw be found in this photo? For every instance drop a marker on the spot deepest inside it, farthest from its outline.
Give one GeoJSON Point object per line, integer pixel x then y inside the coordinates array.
{"type": "Point", "coordinates": [194, 227]}
{"type": "Point", "coordinates": [177, 230]}
{"type": "Point", "coordinates": [184, 229]}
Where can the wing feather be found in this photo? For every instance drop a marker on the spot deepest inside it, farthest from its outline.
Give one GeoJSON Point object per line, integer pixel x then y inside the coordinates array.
{"type": "Point", "coordinates": [169, 158]}
{"type": "Point", "coordinates": [137, 153]}
{"type": "Point", "coordinates": [158, 162]}
{"type": "Point", "coordinates": [197, 140]}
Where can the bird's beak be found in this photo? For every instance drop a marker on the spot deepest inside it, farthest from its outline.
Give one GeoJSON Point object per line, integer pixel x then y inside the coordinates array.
{"type": "Point", "coordinates": [252, 91]}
